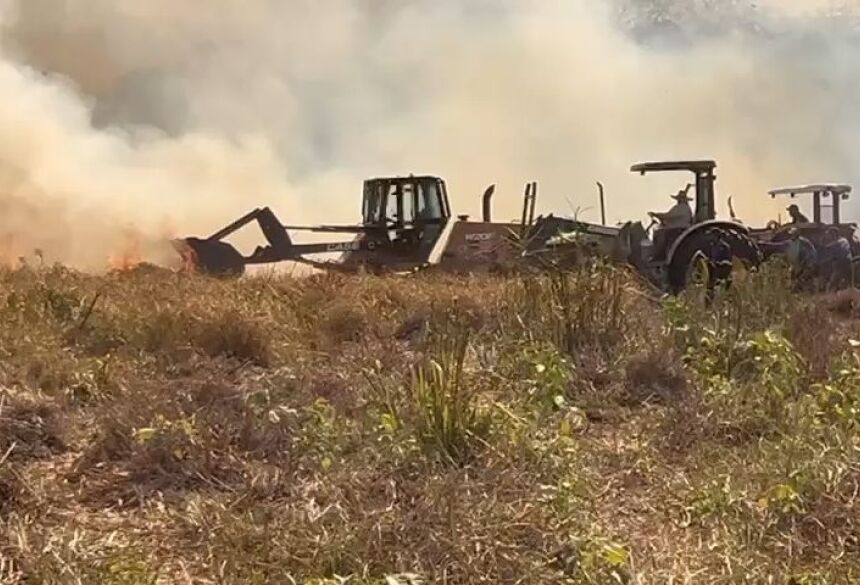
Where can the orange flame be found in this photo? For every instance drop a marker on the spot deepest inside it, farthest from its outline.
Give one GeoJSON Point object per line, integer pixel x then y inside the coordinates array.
{"type": "Point", "coordinates": [130, 255]}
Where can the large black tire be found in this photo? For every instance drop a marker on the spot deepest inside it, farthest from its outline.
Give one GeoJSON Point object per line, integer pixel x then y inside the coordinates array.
{"type": "Point", "coordinates": [744, 248]}
{"type": "Point", "coordinates": [702, 243]}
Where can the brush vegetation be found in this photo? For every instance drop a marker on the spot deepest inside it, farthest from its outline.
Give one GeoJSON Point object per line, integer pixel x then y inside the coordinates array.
{"type": "Point", "coordinates": [558, 428]}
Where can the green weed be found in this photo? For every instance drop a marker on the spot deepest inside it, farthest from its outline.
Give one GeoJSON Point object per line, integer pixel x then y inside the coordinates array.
{"type": "Point", "coordinates": [449, 418]}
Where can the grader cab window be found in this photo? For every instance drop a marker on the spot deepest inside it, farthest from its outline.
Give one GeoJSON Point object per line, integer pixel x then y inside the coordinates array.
{"type": "Point", "coordinates": [392, 214]}
{"type": "Point", "coordinates": [430, 207]}
{"type": "Point", "coordinates": [407, 199]}
{"type": "Point", "coordinates": [374, 204]}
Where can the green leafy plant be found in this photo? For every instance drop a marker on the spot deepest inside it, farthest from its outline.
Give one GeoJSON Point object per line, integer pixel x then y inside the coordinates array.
{"type": "Point", "coordinates": [838, 398]}
{"type": "Point", "coordinates": [718, 498]}
{"type": "Point", "coordinates": [602, 561]}
{"type": "Point", "coordinates": [549, 374]}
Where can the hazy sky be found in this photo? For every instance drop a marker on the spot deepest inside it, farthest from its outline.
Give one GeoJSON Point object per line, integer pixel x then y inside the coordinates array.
{"type": "Point", "coordinates": [175, 117]}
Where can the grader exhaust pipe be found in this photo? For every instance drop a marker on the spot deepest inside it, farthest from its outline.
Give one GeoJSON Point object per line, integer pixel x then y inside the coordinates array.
{"type": "Point", "coordinates": [488, 204]}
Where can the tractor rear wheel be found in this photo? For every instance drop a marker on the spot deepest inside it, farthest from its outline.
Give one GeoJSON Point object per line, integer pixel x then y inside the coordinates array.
{"type": "Point", "coordinates": [720, 246]}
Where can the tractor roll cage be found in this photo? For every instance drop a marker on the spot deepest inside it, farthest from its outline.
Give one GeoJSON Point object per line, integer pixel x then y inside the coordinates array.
{"type": "Point", "coordinates": [840, 192]}
{"type": "Point", "coordinates": [705, 179]}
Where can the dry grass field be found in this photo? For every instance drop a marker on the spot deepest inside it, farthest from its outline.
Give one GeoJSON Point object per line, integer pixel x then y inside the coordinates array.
{"type": "Point", "coordinates": [158, 427]}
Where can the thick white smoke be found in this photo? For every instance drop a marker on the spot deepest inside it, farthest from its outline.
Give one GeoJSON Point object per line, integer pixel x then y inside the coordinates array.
{"type": "Point", "coordinates": [173, 118]}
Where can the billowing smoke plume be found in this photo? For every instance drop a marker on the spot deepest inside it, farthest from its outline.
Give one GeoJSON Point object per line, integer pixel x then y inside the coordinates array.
{"type": "Point", "coordinates": [165, 118]}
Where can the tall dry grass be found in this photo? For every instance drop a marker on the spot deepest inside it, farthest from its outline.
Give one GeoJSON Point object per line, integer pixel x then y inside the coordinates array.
{"type": "Point", "coordinates": [561, 428]}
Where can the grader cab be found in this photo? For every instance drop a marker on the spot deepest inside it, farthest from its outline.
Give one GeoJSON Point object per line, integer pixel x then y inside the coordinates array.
{"type": "Point", "coordinates": [402, 219]}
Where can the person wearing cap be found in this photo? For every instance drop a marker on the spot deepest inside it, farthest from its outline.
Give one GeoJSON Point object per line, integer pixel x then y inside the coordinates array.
{"type": "Point", "coordinates": [672, 223]}
{"type": "Point", "coordinates": [796, 215]}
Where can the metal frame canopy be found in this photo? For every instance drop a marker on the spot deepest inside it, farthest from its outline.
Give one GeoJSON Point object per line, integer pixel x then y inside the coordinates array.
{"type": "Point", "coordinates": [704, 171]}
{"type": "Point", "coordinates": [838, 189]}
{"type": "Point", "coordinates": [693, 166]}
{"type": "Point", "coordinates": [818, 191]}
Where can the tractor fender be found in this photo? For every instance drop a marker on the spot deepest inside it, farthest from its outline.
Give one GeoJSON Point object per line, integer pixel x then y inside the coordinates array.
{"type": "Point", "coordinates": [705, 225]}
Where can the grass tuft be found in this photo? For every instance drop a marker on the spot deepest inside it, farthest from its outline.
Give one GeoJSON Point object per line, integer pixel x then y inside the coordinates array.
{"type": "Point", "coordinates": [449, 419]}
{"type": "Point", "coordinates": [235, 336]}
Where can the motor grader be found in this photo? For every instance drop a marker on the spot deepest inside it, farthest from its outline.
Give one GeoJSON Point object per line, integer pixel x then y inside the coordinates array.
{"type": "Point", "coordinates": [406, 225]}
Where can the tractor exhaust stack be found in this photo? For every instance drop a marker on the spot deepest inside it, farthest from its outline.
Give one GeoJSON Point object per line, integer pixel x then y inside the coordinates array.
{"type": "Point", "coordinates": [602, 203]}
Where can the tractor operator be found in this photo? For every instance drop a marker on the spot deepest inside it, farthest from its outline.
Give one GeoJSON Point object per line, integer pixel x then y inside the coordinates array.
{"type": "Point", "coordinates": [672, 223]}
{"type": "Point", "coordinates": [796, 215]}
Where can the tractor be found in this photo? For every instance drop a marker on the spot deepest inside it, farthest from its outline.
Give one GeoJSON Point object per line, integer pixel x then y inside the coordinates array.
{"type": "Point", "coordinates": [775, 239]}
{"type": "Point", "coordinates": [406, 225]}
{"type": "Point", "coordinates": [776, 233]}
{"type": "Point", "coordinates": [669, 266]}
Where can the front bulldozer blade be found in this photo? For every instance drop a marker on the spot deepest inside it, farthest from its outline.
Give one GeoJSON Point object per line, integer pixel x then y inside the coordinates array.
{"type": "Point", "coordinates": [212, 257]}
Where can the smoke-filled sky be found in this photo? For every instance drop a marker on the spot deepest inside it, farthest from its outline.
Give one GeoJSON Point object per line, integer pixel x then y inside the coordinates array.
{"type": "Point", "coordinates": [175, 117]}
